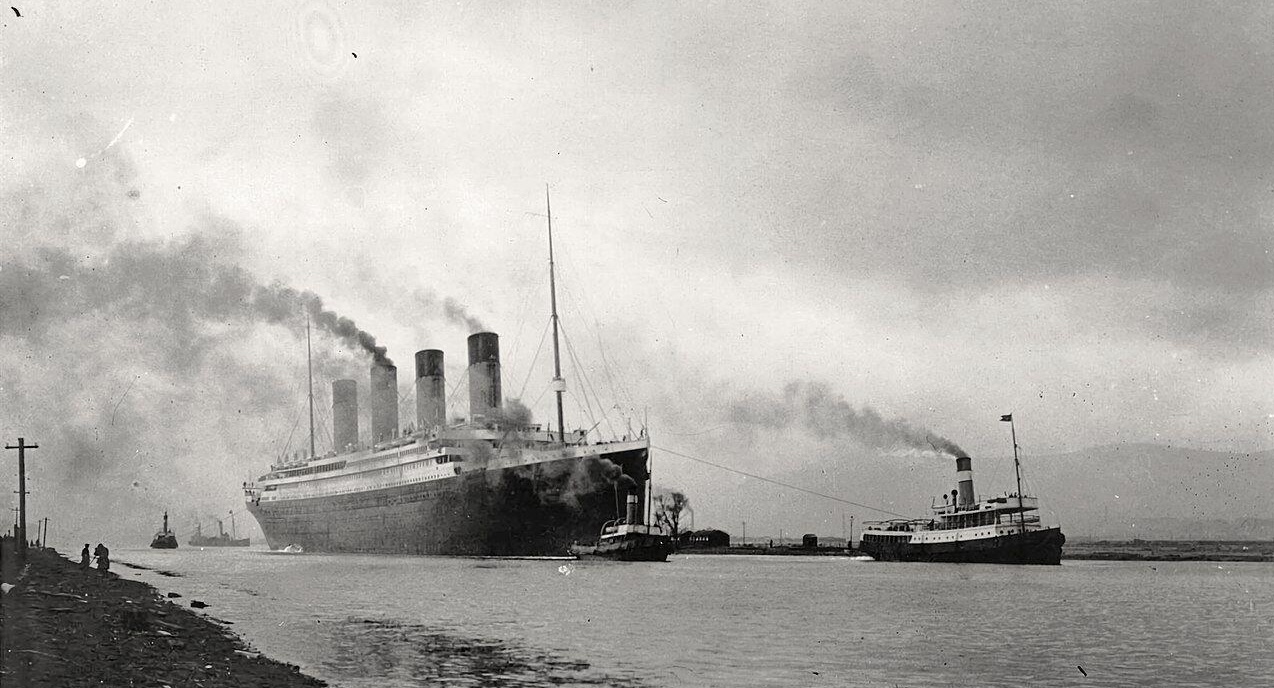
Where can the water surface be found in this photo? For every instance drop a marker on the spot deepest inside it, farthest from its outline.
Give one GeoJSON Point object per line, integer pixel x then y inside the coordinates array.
{"type": "Point", "coordinates": [361, 620]}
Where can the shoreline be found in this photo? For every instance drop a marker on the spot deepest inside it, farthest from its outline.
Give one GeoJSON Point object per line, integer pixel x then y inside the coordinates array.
{"type": "Point", "coordinates": [64, 626]}
{"type": "Point", "coordinates": [1095, 550]}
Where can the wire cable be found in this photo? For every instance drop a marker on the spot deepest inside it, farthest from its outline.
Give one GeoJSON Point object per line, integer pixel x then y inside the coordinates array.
{"type": "Point", "coordinates": [781, 483]}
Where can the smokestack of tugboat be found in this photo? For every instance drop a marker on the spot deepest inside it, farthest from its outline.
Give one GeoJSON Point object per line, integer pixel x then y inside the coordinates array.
{"type": "Point", "coordinates": [484, 375]}
{"type": "Point", "coordinates": [344, 414]}
{"type": "Point", "coordinates": [964, 482]}
{"type": "Point", "coordinates": [631, 517]}
{"type": "Point", "coordinates": [431, 390]}
{"type": "Point", "coordinates": [384, 393]}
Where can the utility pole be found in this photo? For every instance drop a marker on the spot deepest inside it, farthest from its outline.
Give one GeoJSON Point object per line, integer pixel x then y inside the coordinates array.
{"type": "Point", "coordinates": [22, 448]}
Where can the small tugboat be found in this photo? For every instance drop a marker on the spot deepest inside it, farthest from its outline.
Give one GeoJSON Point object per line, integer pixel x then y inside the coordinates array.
{"type": "Point", "coordinates": [164, 539]}
{"type": "Point", "coordinates": [1000, 530]}
{"type": "Point", "coordinates": [627, 539]}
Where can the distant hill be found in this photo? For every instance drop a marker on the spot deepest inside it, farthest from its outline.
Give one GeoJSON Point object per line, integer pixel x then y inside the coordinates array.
{"type": "Point", "coordinates": [1118, 491]}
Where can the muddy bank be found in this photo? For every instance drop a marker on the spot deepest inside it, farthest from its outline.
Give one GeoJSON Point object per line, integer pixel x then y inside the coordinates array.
{"type": "Point", "coordinates": [63, 626]}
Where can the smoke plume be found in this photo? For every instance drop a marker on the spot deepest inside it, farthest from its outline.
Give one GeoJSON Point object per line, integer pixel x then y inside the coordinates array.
{"type": "Point", "coordinates": [813, 407]}
{"type": "Point", "coordinates": [154, 373]}
{"type": "Point", "coordinates": [449, 308]}
{"type": "Point", "coordinates": [183, 282]}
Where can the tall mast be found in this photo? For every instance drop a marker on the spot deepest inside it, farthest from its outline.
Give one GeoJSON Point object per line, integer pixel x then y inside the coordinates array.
{"type": "Point", "coordinates": [309, 374]}
{"type": "Point", "coordinates": [559, 385]}
{"type": "Point", "coordinates": [1017, 469]}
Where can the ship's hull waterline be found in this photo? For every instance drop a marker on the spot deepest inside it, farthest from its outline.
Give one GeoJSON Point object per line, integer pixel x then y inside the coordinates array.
{"type": "Point", "coordinates": [1042, 546]}
{"type": "Point", "coordinates": [536, 509]}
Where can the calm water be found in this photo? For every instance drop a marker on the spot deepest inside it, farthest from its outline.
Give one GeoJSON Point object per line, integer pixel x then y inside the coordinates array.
{"type": "Point", "coordinates": [735, 621]}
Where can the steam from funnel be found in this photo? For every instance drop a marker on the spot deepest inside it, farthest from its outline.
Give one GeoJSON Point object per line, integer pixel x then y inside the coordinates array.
{"type": "Point", "coordinates": [431, 389]}
{"type": "Point", "coordinates": [384, 393]}
{"type": "Point", "coordinates": [484, 375]}
{"type": "Point", "coordinates": [344, 414]}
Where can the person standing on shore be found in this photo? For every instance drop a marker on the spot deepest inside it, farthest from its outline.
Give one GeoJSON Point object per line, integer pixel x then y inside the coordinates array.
{"type": "Point", "coordinates": [84, 557]}
{"type": "Point", "coordinates": [103, 558]}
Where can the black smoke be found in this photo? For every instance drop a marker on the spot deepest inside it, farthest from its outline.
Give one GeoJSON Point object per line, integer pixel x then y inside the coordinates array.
{"type": "Point", "coordinates": [813, 407]}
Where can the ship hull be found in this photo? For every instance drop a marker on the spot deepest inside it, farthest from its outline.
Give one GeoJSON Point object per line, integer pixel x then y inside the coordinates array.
{"type": "Point", "coordinates": [530, 510]}
{"type": "Point", "coordinates": [1042, 546]}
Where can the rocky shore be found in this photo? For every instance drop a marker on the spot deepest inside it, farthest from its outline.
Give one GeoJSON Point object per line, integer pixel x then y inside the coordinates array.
{"type": "Point", "coordinates": [63, 626]}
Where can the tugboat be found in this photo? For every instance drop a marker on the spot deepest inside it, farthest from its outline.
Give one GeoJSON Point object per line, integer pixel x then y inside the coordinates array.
{"type": "Point", "coordinates": [164, 539]}
{"type": "Point", "coordinates": [1000, 530]}
{"type": "Point", "coordinates": [627, 539]}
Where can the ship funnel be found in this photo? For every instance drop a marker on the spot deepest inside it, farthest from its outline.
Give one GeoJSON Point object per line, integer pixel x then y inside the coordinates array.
{"type": "Point", "coordinates": [344, 415]}
{"type": "Point", "coordinates": [631, 516]}
{"type": "Point", "coordinates": [484, 375]}
{"type": "Point", "coordinates": [384, 393]}
{"type": "Point", "coordinates": [964, 482]}
{"type": "Point", "coordinates": [431, 390]}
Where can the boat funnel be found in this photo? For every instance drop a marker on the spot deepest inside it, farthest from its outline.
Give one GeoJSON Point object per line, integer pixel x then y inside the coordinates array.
{"type": "Point", "coordinates": [431, 390]}
{"type": "Point", "coordinates": [344, 415]}
{"type": "Point", "coordinates": [384, 393]}
{"type": "Point", "coordinates": [484, 375]}
{"type": "Point", "coordinates": [964, 482]}
{"type": "Point", "coordinates": [631, 516]}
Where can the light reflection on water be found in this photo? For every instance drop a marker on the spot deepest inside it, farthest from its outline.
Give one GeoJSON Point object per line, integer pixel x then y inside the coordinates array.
{"type": "Point", "coordinates": [737, 620]}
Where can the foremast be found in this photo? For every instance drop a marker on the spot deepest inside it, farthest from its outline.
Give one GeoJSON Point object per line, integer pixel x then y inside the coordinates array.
{"type": "Point", "coordinates": [559, 384]}
{"type": "Point", "coordinates": [1017, 470]}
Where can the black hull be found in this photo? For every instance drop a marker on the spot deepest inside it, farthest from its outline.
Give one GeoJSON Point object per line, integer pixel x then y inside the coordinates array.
{"type": "Point", "coordinates": [1033, 547]}
{"type": "Point", "coordinates": [164, 542]}
{"type": "Point", "coordinates": [631, 548]}
{"type": "Point", "coordinates": [534, 510]}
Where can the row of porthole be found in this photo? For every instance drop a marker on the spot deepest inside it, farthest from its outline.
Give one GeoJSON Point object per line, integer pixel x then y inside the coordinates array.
{"type": "Point", "coordinates": [349, 490]}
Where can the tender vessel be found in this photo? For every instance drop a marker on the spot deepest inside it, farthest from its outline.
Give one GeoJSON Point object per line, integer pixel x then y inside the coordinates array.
{"type": "Point", "coordinates": [1001, 530]}
{"type": "Point", "coordinates": [221, 539]}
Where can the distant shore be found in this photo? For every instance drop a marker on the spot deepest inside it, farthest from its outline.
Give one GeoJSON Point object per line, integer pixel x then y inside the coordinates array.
{"type": "Point", "coordinates": [1170, 550]}
{"type": "Point", "coordinates": [1107, 550]}
{"type": "Point", "coordinates": [63, 626]}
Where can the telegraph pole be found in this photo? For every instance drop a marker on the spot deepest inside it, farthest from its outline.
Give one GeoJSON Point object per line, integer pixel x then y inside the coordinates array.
{"type": "Point", "coordinates": [22, 448]}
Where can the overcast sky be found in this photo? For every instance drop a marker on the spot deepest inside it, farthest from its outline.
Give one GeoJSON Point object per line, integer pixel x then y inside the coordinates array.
{"type": "Point", "coordinates": [940, 211]}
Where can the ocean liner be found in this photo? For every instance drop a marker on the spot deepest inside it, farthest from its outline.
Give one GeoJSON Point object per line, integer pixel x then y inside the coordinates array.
{"type": "Point", "coordinates": [999, 530]}
{"type": "Point", "coordinates": [492, 484]}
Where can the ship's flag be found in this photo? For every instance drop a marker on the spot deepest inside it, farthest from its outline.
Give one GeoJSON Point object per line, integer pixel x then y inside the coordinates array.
{"type": "Point", "coordinates": [1006, 418]}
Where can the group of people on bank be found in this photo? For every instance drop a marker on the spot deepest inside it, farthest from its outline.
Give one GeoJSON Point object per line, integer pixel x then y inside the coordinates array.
{"type": "Point", "coordinates": [100, 553]}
